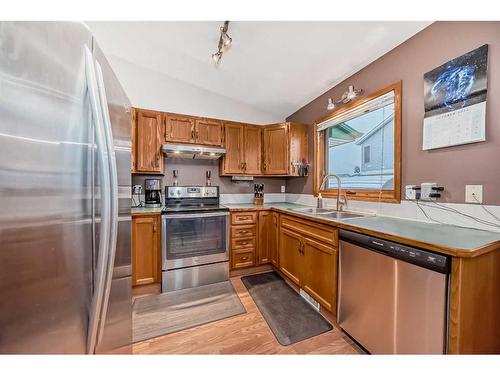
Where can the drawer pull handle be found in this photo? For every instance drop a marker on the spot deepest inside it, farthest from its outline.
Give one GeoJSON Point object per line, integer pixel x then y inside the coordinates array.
{"type": "Point", "coordinates": [244, 258]}
{"type": "Point", "coordinates": [244, 243]}
{"type": "Point", "coordinates": [243, 231]}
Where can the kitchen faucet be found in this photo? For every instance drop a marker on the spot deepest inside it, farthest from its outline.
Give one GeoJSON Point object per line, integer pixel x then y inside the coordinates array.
{"type": "Point", "coordinates": [341, 201]}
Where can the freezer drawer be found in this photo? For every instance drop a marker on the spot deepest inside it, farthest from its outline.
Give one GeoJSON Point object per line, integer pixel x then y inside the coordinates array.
{"type": "Point", "coordinates": [391, 306]}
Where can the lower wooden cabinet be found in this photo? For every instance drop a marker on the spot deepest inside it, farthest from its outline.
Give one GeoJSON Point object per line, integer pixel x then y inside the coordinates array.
{"type": "Point", "coordinates": [266, 237]}
{"type": "Point", "coordinates": [274, 246]}
{"type": "Point", "coordinates": [308, 254]}
{"type": "Point", "coordinates": [146, 259]}
{"type": "Point", "coordinates": [291, 255]}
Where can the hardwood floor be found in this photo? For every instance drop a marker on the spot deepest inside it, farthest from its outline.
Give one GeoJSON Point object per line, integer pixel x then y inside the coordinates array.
{"type": "Point", "coordinates": [243, 334]}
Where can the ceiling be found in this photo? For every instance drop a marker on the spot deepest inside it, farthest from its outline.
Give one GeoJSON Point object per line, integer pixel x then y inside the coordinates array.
{"type": "Point", "coordinates": [275, 67]}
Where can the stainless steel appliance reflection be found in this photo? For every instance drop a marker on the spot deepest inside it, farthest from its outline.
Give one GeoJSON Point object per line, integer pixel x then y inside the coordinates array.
{"type": "Point", "coordinates": [65, 273]}
{"type": "Point", "coordinates": [195, 237]}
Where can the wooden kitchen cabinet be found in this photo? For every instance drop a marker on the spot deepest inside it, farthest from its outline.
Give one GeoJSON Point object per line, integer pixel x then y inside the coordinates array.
{"type": "Point", "coordinates": [243, 239]}
{"type": "Point", "coordinates": [179, 128]}
{"type": "Point", "coordinates": [189, 129]}
{"type": "Point", "coordinates": [208, 132]}
{"type": "Point", "coordinates": [243, 145]}
{"type": "Point", "coordinates": [252, 150]}
{"type": "Point", "coordinates": [320, 269]}
{"type": "Point", "coordinates": [232, 162]}
{"type": "Point", "coordinates": [146, 249]}
{"type": "Point", "coordinates": [308, 256]}
{"type": "Point", "coordinates": [276, 149]}
{"type": "Point", "coordinates": [267, 247]}
{"type": "Point", "coordinates": [274, 247]}
{"type": "Point", "coordinates": [284, 146]}
{"type": "Point", "coordinates": [291, 262]}
{"type": "Point", "coordinates": [147, 139]}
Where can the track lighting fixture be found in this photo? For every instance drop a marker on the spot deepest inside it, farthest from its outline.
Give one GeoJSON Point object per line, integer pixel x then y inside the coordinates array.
{"type": "Point", "coordinates": [346, 97]}
{"type": "Point", "coordinates": [224, 43]}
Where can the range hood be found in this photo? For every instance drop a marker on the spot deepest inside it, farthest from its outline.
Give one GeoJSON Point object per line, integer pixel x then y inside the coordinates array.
{"type": "Point", "coordinates": [172, 150]}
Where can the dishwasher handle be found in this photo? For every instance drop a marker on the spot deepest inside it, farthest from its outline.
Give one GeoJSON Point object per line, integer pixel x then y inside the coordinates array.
{"type": "Point", "coordinates": [423, 258]}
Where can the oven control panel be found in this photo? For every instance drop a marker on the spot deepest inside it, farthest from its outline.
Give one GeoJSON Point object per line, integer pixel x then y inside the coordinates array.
{"type": "Point", "coordinates": [192, 191]}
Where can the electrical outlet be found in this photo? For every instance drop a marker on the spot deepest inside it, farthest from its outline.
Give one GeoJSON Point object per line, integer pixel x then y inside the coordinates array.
{"type": "Point", "coordinates": [473, 193]}
{"type": "Point", "coordinates": [282, 188]}
{"type": "Point", "coordinates": [411, 193]}
{"type": "Point", "coordinates": [426, 191]}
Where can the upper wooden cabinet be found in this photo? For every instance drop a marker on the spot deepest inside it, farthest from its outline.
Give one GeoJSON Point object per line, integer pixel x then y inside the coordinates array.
{"type": "Point", "coordinates": [147, 139]}
{"type": "Point", "coordinates": [270, 150]}
{"type": "Point", "coordinates": [208, 132]}
{"type": "Point", "coordinates": [232, 163]}
{"type": "Point", "coordinates": [243, 145]}
{"type": "Point", "coordinates": [252, 154]}
{"type": "Point", "coordinates": [189, 129]}
{"type": "Point", "coordinates": [285, 147]}
{"type": "Point", "coordinates": [276, 149]}
{"type": "Point", "coordinates": [179, 128]}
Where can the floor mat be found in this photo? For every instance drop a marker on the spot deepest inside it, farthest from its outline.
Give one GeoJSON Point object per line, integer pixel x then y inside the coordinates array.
{"type": "Point", "coordinates": [174, 311]}
{"type": "Point", "coordinates": [290, 317]}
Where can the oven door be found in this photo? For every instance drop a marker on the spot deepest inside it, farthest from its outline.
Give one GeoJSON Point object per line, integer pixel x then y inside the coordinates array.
{"type": "Point", "coordinates": [194, 239]}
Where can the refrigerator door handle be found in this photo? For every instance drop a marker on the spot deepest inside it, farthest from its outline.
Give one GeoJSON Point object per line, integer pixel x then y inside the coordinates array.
{"type": "Point", "coordinates": [105, 225]}
{"type": "Point", "coordinates": [113, 232]}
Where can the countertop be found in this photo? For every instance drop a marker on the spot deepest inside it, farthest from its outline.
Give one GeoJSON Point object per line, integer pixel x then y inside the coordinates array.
{"type": "Point", "coordinates": [135, 211]}
{"type": "Point", "coordinates": [442, 238]}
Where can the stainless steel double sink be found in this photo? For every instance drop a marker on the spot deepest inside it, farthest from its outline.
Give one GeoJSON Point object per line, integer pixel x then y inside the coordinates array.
{"type": "Point", "coordinates": [328, 213]}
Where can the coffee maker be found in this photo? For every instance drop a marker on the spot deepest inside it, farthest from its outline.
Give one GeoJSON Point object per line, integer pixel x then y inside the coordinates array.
{"type": "Point", "coordinates": [152, 189]}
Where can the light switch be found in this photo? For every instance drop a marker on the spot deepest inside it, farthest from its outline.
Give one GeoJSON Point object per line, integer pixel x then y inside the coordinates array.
{"type": "Point", "coordinates": [473, 193]}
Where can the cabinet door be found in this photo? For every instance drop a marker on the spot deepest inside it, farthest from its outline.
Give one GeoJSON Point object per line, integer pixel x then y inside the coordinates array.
{"type": "Point", "coordinates": [291, 255]}
{"type": "Point", "coordinates": [208, 132]}
{"type": "Point", "coordinates": [233, 160]}
{"type": "Point", "coordinates": [276, 149]}
{"type": "Point", "coordinates": [273, 247]}
{"type": "Point", "coordinates": [148, 141]}
{"type": "Point", "coordinates": [253, 150]}
{"type": "Point", "coordinates": [145, 250]}
{"type": "Point", "coordinates": [179, 128]}
{"type": "Point", "coordinates": [320, 273]}
{"type": "Point", "coordinates": [265, 238]}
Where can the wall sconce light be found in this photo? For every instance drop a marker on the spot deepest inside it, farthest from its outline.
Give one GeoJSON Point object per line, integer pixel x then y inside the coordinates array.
{"type": "Point", "coordinates": [224, 43]}
{"type": "Point", "coordinates": [346, 97]}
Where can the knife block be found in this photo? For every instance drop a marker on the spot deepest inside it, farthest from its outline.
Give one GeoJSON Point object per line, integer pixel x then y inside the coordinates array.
{"type": "Point", "coordinates": [258, 201]}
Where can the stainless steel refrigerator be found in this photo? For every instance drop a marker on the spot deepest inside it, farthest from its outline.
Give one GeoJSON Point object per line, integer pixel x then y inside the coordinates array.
{"type": "Point", "coordinates": [65, 262]}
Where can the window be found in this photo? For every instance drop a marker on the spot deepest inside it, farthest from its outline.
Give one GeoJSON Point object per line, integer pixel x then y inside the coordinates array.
{"type": "Point", "coordinates": [366, 155]}
{"type": "Point", "coordinates": [360, 143]}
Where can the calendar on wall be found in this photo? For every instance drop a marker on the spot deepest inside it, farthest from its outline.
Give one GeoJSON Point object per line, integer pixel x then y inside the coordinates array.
{"type": "Point", "coordinates": [455, 101]}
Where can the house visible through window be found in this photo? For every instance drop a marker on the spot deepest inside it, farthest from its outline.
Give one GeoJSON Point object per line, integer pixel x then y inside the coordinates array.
{"type": "Point", "coordinates": [366, 154]}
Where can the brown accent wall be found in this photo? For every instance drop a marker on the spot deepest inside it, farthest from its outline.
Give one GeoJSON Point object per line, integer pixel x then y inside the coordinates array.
{"type": "Point", "coordinates": [192, 172]}
{"type": "Point", "coordinates": [453, 167]}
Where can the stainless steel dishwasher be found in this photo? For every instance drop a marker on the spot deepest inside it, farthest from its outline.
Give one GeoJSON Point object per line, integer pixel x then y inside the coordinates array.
{"type": "Point", "coordinates": [393, 299]}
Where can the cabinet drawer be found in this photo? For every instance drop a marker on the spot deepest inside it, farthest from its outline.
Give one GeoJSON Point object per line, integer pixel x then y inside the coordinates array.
{"type": "Point", "coordinates": [243, 259]}
{"type": "Point", "coordinates": [242, 231]}
{"type": "Point", "coordinates": [320, 232]}
{"type": "Point", "coordinates": [244, 217]}
{"type": "Point", "coordinates": [242, 243]}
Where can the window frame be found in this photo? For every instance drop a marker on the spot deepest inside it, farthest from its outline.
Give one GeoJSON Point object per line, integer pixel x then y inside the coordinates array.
{"type": "Point", "coordinates": [389, 196]}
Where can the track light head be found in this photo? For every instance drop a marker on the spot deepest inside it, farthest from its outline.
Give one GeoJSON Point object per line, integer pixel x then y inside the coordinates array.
{"type": "Point", "coordinates": [216, 57]}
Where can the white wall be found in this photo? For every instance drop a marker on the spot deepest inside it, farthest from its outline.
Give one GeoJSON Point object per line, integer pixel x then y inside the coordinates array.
{"type": "Point", "coordinates": [152, 90]}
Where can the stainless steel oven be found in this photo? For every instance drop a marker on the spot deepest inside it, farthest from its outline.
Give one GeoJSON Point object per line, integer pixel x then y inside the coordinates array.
{"type": "Point", "coordinates": [195, 238]}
